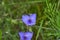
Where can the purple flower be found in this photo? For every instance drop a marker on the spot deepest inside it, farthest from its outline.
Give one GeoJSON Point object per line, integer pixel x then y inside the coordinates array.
{"type": "Point", "coordinates": [25, 35]}
{"type": "Point", "coordinates": [29, 20]}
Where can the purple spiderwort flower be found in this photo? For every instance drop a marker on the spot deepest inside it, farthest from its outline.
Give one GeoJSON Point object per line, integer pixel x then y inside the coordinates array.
{"type": "Point", "coordinates": [25, 35]}
{"type": "Point", "coordinates": [29, 20]}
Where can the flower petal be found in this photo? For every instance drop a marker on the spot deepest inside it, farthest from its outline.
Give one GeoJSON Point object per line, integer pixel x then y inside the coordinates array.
{"type": "Point", "coordinates": [28, 35]}
{"type": "Point", "coordinates": [33, 18]}
{"type": "Point", "coordinates": [21, 34]}
{"type": "Point", "coordinates": [25, 19]}
{"type": "Point", "coordinates": [29, 20]}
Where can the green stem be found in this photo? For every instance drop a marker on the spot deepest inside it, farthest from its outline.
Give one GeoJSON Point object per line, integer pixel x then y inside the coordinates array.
{"type": "Point", "coordinates": [39, 30]}
{"type": "Point", "coordinates": [29, 29]}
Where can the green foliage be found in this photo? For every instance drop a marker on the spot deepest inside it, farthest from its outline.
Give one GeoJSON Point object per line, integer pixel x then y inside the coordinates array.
{"type": "Point", "coordinates": [0, 35]}
{"type": "Point", "coordinates": [48, 19]}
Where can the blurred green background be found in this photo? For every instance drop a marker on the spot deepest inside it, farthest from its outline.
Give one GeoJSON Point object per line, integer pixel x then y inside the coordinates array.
{"type": "Point", "coordinates": [47, 22]}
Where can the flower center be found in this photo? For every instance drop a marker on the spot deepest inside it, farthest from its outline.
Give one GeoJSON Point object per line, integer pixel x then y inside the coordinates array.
{"type": "Point", "coordinates": [29, 21]}
{"type": "Point", "coordinates": [25, 37]}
